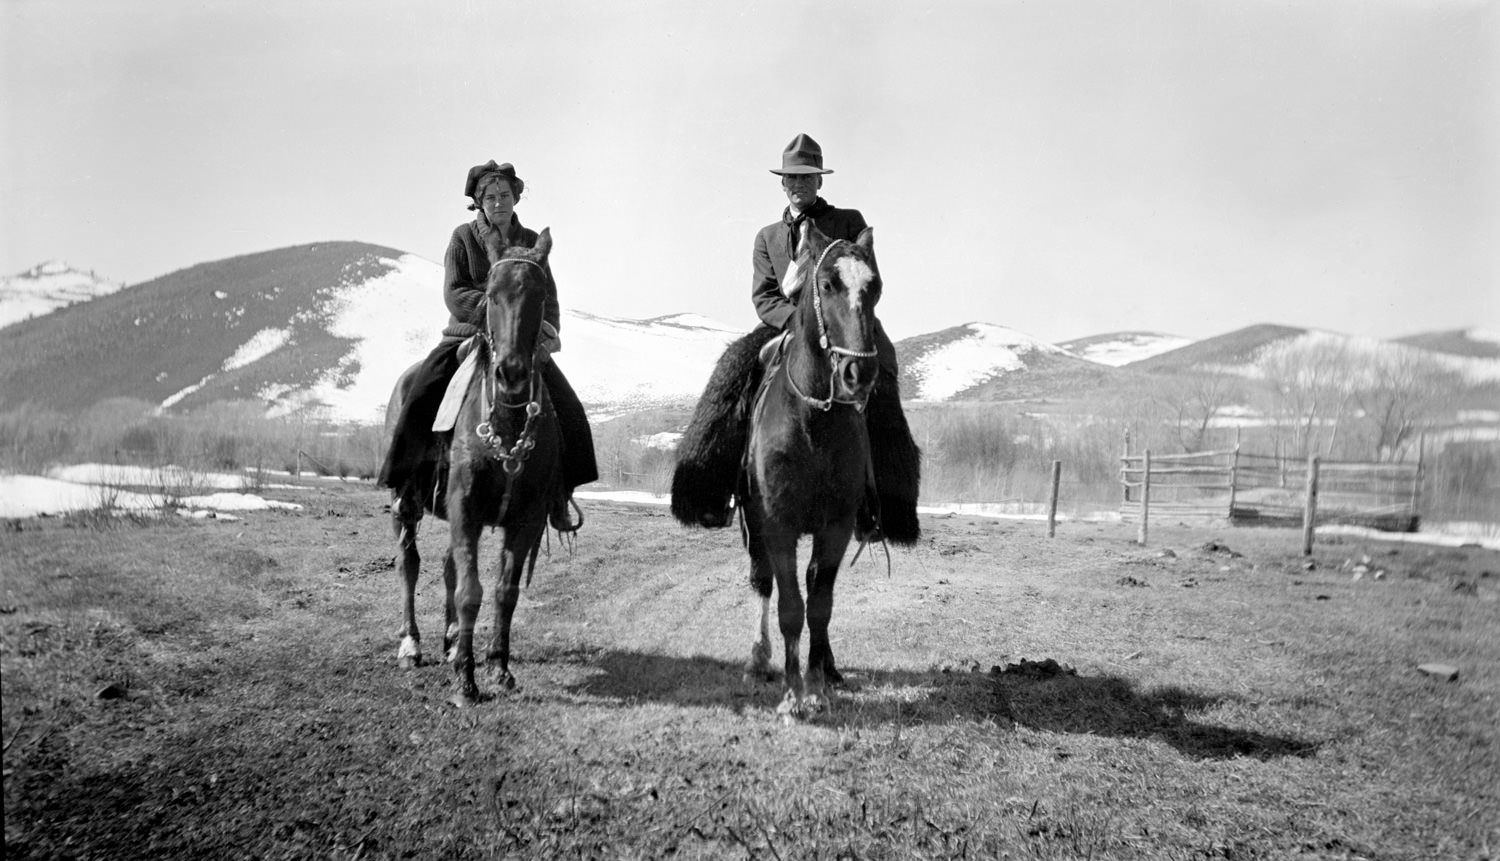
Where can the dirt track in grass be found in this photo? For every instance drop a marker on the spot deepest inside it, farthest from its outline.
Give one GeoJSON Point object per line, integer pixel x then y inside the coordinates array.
{"type": "Point", "coordinates": [1222, 700]}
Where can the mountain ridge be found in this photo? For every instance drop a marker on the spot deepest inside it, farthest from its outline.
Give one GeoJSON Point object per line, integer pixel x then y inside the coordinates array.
{"type": "Point", "coordinates": [328, 326]}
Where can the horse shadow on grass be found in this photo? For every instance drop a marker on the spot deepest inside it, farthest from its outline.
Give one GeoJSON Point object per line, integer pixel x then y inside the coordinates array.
{"type": "Point", "coordinates": [1055, 701]}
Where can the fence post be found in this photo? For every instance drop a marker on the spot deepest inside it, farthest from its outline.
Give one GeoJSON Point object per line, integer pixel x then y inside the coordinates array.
{"type": "Point", "coordinates": [1052, 507]}
{"type": "Point", "coordinates": [1234, 474]}
{"type": "Point", "coordinates": [1416, 482]}
{"type": "Point", "coordinates": [1145, 499]}
{"type": "Point", "coordinates": [1125, 466]}
{"type": "Point", "coordinates": [1310, 509]}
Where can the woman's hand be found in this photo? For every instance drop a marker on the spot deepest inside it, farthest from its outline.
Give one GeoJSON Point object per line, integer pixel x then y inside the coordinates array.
{"type": "Point", "coordinates": [550, 341]}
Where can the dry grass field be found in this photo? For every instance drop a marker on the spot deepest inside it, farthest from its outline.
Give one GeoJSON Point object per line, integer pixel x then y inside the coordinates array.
{"type": "Point", "coordinates": [228, 689]}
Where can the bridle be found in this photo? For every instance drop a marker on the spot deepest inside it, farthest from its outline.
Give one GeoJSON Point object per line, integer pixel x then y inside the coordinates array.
{"type": "Point", "coordinates": [832, 351]}
{"type": "Point", "coordinates": [512, 458]}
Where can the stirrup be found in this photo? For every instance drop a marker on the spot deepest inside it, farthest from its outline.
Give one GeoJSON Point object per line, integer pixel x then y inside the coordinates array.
{"type": "Point", "coordinates": [561, 521]}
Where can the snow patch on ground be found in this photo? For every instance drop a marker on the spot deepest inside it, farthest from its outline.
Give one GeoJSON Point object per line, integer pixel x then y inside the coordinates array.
{"type": "Point", "coordinates": [25, 496]}
{"type": "Point", "coordinates": [966, 362]}
{"type": "Point", "coordinates": [1130, 348]}
{"type": "Point", "coordinates": [261, 344]}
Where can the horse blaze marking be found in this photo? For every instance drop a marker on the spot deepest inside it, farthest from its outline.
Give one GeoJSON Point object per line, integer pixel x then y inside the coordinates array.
{"type": "Point", "coordinates": [856, 275]}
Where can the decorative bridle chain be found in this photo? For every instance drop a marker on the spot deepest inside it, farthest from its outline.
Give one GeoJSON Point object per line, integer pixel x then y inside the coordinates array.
{"type": "Point", "coordinates": [833, 351]}
{"type": "Point", "coordinates": [513, 458]}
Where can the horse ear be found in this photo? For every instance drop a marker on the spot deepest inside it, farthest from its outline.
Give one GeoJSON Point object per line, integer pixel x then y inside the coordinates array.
{"type": "Point", "coordinates": [866, 241]}
{"type": "Point", "coordinates": [544, 241]}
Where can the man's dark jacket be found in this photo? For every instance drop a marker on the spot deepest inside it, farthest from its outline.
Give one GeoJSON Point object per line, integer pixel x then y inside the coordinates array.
{"type": "Point", "coordinates": [775, 246]}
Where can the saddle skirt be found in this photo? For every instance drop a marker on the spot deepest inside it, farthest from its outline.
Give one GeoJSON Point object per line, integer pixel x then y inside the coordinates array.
{"type": "Point", "coordinates": [453, 397]}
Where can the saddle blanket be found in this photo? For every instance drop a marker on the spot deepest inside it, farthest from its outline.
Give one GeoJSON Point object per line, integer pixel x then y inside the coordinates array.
{"type": "Point", "coordinates": [453, 398]}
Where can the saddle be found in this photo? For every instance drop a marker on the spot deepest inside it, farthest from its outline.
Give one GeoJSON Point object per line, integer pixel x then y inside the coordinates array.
{"type": "Point", "coordinates": [772, 351]}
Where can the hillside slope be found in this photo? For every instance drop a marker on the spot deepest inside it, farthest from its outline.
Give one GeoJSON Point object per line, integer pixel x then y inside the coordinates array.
{"type": "Point", "coordinates": [209, 332]}
{"type": "Point", "coordinates": [1471, 343]}
{"type": "Point", "coordinates": [981, 361]}
{"type": "Point", "coordinates": [1121, 348]}
{"type": "Point", "coordinates": [326, 327]}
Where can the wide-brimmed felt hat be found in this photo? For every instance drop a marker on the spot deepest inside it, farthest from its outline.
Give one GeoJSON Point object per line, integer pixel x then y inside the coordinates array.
{"type": "Point", "coordinates": [802, 155]}
{"type": "Point", "coordinates": [478, 171]}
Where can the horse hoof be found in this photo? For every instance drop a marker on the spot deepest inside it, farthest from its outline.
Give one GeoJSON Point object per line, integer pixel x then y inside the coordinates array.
{"type": "Point", "coordinates": [814, 705]}
{"type": "Point", "coordinates": [409, 662]}
{"type": "Point", "coordinates": [463, 701]}
{"type": "Point", "coordinates": [789, 709]}
{"type": "Point", "coordinates": [508, 682]}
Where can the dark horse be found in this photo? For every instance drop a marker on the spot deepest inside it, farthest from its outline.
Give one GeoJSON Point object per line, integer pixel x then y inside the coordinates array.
{"type": "Point", "coordinates": [807, 466]}
{"type": "Point", "coordinates": [503, 470]}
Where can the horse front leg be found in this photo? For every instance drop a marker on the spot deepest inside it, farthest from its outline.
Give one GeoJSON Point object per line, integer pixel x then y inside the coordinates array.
{"type": "Point", "coordinates": [822, 571]}
{"type": "Point", "coordinates": [404, 524]}
{"type": "Point", "coordinates": [516, 547]}
{"type": "Point", "coordinates": [781, 549]}
{"type": "Point", "coordinates": [467, 597]}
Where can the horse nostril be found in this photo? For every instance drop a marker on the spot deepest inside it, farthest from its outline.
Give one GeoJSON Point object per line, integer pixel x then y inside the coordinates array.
{"type": "Point", "coordinates": [853, 375]}
{"type": "Point", "coordinates": [512, 370]}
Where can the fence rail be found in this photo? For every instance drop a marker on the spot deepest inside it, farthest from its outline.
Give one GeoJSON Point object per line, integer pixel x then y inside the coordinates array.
{"type": "Point", "coordinates": [1250, 488]}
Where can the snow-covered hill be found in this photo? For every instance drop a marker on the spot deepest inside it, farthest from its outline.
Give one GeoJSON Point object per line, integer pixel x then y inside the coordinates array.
{"type": "Point", "coordinates": [326, 327]}
{"type": "Point", "coordinates": [1260, 351]}
{"type": "Point", "coordinates": [1121, 348]}
{"type": "Point", "coordinates": [982, 360]}
{"type": "Point", "coordinates": [44, 288]}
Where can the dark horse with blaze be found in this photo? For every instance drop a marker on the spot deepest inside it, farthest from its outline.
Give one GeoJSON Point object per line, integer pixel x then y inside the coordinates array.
{"type": "Point", "coordinates": [501, 469]}
{"type": "Point", "coordinates": [807, 465]}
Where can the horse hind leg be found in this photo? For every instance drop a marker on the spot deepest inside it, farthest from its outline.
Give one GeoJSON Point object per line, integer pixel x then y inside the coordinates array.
{"type": "Point", "coordinates": [450, 612]}
{"type": "Point", "coordinates": [791, 613]}
{"type": "Point", "coordinates": [406, 512]}
{"type": "Point", "coordinates": [758, 668]}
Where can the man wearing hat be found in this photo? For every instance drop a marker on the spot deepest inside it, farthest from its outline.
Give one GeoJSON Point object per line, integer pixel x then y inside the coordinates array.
{"type": "Point", "coordinates": [712, 448]}
{"type": "Point", "coordinates": [493, 190]}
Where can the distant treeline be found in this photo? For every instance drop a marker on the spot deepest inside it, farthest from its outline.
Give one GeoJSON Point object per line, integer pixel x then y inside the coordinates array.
{"type": "Point", "coordinates": [972, 452]}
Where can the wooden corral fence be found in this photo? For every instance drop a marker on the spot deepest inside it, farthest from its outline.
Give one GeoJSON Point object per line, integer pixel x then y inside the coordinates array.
{"type": "Point", "coordinates": [1249, 489]}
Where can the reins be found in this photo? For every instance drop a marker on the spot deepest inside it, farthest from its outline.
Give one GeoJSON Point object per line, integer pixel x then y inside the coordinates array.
{"type": "Point", "coordinates": [832, 351]}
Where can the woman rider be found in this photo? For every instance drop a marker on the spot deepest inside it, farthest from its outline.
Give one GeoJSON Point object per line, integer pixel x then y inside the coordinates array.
{"type": "Point", "coordinates": [494, 190]}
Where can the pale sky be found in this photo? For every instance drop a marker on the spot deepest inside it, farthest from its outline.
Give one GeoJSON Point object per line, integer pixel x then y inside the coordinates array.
{"type": "Point", "coordinates": [1064, 168]}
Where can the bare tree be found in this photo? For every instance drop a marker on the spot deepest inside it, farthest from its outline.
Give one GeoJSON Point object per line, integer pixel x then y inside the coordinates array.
{"type": "Point", "coordinates": [1311, 383]}
{"type": "Point", "coordinates": [1195, 400]}
{"type": "Point", "coordinates": [1401, 394]}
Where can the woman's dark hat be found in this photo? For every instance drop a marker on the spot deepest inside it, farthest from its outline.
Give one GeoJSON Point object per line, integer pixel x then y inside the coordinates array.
{"type": "Point", "coordinates": [802, 155]}
{"type": "Point", "coordinates": [478, 171]}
